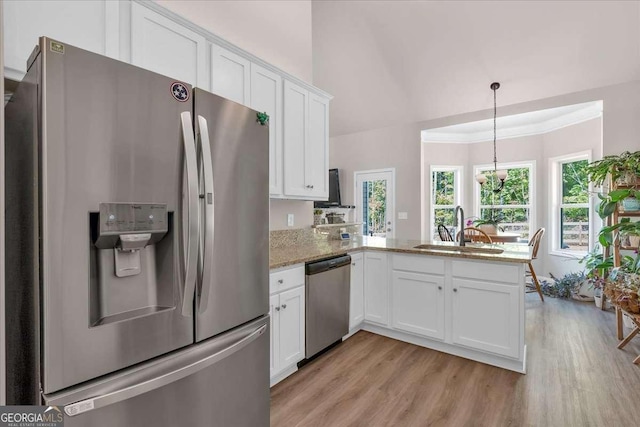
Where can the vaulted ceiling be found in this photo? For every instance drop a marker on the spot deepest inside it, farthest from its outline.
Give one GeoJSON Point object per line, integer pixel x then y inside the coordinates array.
{"type": "Point", "coordinates": [394, 62]}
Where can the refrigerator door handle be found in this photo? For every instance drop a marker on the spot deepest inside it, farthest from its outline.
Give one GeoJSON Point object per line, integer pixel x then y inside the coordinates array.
{"type": "Point", "coordinates": [208, 199]}
{"type": "Point", "coordinates": [97, 402]}
{"type": "Point", "coordinates": [191, 244]}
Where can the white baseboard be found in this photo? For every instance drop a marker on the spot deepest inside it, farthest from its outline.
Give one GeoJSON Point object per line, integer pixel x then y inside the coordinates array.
{"type": "Point", "coordinates": [353, 331]}
{"type": "Point", "coordinates": [283, 374]}
{"type": "Point", "coordinates": [475, 355]}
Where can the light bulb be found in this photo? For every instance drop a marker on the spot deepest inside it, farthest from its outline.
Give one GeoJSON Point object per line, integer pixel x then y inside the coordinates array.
{"type": "Point", "coordinates": [481, 178]}
{"type": "Point", "coordinates": [501, 174]}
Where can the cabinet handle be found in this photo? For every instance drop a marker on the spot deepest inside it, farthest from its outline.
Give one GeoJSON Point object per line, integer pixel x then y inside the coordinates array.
{"type": "Point", "coordinates": [281, 281]}
{"type": "Point", "coordinates": [284, 306]}
{"type": "Point", "coordinates": [277, 308]}
{"type": "Point", "coordinates": [455, 290]}
{"type": "Point", "coordinates": [439, 288]}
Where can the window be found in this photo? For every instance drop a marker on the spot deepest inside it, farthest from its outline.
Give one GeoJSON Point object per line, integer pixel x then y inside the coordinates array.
{"type": "Point", "coordinates": [571, 209]}
{"type": "Point", "coordinates": [445, 196]}
{"type": "Point", "coordinates": [511, 206]}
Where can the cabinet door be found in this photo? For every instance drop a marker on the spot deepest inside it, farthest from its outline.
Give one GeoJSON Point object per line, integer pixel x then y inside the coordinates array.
{"type": "Point", "coordinates": [90, 25]}
{"type": "Point", "coordinates": [317, 148]}
{"type": "Point", "coordinates": [356, 300]}
{"type": "Point", "coordinates": [274, 328]}
{"type": "Point", "coordinates": [291, 327]}
{"type": "Point", "coordinates": [296, 119]}
{"type": "Point", "coordinates": [375, 288]}
{"type": "Point", "coordinates": [230, 75]}
{"type": "Point", "coordinates": [486, 316]}
{"type": "Point", "coordinates": [418, 303]}
{"type": "Point", "coordinates": [166, 47]}
{"type": "Point", "coordinates": [266, 96]}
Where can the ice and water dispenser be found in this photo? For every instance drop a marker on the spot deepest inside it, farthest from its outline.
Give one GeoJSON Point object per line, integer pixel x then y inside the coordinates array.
{"type": "Point", "coordinates": [132, 266]}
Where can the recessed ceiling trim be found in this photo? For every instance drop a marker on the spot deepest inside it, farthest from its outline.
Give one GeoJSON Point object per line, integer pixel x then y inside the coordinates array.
{"type": "Point", "coordinates": [450, 135]}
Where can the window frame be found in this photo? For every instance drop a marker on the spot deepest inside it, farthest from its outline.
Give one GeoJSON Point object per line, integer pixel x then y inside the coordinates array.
{"type": "Point", "coordinates": [556, 204]}
{"type": "Point", "coordinates": [531, 165]}
{"type": "Point", "coordinates": [458, 177]}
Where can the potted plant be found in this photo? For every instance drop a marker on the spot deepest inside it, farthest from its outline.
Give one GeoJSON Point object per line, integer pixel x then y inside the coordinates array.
{"type": "Point", "coordinates": [625, 227]}
{"type": "Point", "coordinates": [595, 268]}
{"type": "Point", "coordinates": [490, 224]}
{"type": "Point", "coordinates": [628, 197]}
{"type": "Point", "coordinates": [624, 169]}
{"type": "Point", "coordinates": [317, 216]}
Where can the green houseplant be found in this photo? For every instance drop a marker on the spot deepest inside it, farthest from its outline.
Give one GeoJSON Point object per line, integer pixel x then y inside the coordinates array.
{"type": "Point", "coordinates": [624, 169]}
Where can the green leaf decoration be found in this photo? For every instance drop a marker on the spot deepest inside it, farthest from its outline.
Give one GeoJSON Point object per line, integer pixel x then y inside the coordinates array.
{"type": "Point", "coordinates": [262, 118]}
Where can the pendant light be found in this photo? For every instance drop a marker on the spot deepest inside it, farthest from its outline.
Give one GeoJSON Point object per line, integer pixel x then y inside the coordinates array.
{"type": "Point", "coordinates": [500, 174]}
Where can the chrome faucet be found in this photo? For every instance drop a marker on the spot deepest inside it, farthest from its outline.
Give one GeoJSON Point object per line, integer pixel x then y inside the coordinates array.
{"type": "Point", "coordinates": [455, 223]}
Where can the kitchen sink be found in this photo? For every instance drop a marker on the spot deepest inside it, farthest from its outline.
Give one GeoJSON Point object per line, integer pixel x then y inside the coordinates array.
{"type": "Point", "coordinates": [467, 249]}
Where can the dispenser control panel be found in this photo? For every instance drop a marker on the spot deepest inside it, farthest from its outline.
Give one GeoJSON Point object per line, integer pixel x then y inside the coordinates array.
{"type": "Point", "coordinates": [131, 226]}
{"type": "Point", "coordinates": [133, 218]}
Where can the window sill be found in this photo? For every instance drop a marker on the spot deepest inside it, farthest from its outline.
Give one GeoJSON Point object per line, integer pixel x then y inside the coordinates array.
{"type": "Point", "coordinates": [570, 255]}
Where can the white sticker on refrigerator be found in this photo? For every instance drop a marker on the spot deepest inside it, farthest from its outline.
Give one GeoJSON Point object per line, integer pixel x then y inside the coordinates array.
{"type": "Point", "coordinates": [180, 91]}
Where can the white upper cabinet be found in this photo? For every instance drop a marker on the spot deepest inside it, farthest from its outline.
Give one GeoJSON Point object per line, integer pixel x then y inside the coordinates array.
{"type": "Point", "coordinates": [266, 97]}
{"type": "Point", "coordinates": [306, 139]}
{"type": "Point", "coordinates": [317, 147]}
{"type": "Point", "coordinates": [90, 25]}
{"type": "Point", "coordinates": [296, 119]}
{"type": "Point", "coordinates": [230, 75]}
{"type": "Point", "coordinates": [166, 47]}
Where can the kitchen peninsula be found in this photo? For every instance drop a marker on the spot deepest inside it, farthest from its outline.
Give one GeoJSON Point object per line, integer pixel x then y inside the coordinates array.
{"type": "Point", "coordinates": [467, 302]}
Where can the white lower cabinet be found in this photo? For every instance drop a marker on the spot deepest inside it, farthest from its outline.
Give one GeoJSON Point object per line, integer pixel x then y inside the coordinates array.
{"type": "Point", "coordinates": [274, 327]}
{"type": "Point", "coordinates": [486, 316]}
{"type": "Point", "coordinates": [356, 297]}
{"type": "Point", "coordinates": [469, 308]}
{"type": "Point", "coordinates": [287, 309]}
{"type": "Point", "coordinates": [291, 327]}
{"type": "Point", "coordinates": [418, 303]}
{"type": "Point", "coordinates": [376, 298]}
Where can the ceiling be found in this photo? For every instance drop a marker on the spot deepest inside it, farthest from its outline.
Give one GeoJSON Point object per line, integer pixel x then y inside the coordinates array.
{"type": "Point", "coordinates": [394, 62]}
{"type": "Point", "coordinates": [516, 125]}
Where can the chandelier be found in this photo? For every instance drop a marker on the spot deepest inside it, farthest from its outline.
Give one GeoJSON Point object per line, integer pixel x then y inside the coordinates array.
{"type": "Point", "coordinates": [501, 175]}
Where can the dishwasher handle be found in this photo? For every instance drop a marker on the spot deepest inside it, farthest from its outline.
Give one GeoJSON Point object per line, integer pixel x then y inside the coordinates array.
{"type": "Point", "coordinates": [321, 266]}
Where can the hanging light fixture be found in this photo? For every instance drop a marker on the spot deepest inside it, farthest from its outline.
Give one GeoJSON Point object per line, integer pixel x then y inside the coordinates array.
{"type": "Point", "coordinates": [500, 174]}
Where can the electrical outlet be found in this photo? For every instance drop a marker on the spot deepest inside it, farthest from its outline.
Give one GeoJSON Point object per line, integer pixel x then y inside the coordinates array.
{"type": "Point", "coordinates": [290, 220]}
{"type": "Point", "coordinates": [402, 215]}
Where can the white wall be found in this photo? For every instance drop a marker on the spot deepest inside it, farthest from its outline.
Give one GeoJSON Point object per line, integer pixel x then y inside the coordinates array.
{"type": "Point", "coordinates": [396, 147]}
{"type": "Point", "coordinates": [277, 31]}
{"type": "Point", "coordinates": [302, 214]}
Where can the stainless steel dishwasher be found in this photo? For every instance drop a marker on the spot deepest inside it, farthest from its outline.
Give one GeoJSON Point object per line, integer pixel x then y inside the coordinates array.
{"type": "Point", "coordinates": [327, 302]}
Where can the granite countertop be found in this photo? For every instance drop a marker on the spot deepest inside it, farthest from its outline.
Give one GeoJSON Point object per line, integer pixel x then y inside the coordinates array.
{"type": "Point", "coordinates": [316, 249]}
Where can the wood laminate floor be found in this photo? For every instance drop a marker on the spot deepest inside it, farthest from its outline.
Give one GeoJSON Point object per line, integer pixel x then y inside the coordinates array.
{"type": "Point", "coordinates": [576, 377]}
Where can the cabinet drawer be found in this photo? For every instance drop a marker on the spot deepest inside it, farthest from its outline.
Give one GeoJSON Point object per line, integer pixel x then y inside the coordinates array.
{"type": "Point", "coordinates": [418, 264]}
{"type": "Point", "coordinates": [492, 272]}
{"type": "Point", "coordinates": [286, 278]}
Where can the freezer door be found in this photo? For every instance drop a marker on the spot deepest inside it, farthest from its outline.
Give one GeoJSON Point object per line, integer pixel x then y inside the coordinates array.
{"type": "Point", "coordinates": [113, 133]}
{"type": "Point", "coordinates": [234, 285]}
{"type": "Point", "coordinates": [220, 382]}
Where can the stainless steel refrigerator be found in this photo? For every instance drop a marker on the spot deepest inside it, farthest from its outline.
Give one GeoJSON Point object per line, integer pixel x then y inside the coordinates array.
{"type": "Point", "coordinates": [137, 247]}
